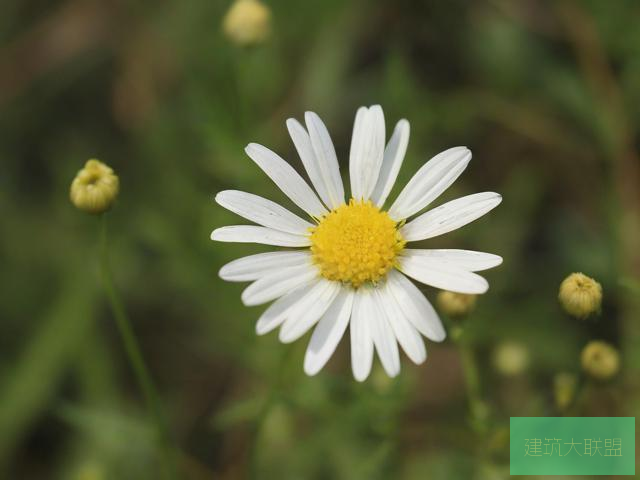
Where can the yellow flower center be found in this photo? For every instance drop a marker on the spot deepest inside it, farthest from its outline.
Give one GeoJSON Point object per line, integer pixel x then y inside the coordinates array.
{"type": "Point", "coordinates": [356, 243]}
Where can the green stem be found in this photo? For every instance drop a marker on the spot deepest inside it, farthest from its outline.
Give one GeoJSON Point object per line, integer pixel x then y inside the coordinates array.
{"type": "Point", "coordinates": [239, 59]}
{"type": "Point", "coordinates": [478, 410]}
{"type": "Point", "coordinates": [272, 399]}
{"type": "Point", "coordinates": [477, 406]}
{"type": "Point", "coordinates": [134, 355]}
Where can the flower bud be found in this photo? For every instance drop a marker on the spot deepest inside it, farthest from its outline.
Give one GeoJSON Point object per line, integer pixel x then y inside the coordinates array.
{"type": "Point", "coordinates": [248, 22]}
{"type": "Point", "coordinates": [580, 296]}
{"type": "Point", "coordinates": [511, 358]}
{"type": "Point", "coordinates": [94, 188]}
{"type": "Point", "coordinates": [455, 304]}
{"type": "Point", "coordinates": [564, 389]}
{"type": "Point", "coordinates": [90, 470]}
{"type": "Point", "coordinates": [600, 360]}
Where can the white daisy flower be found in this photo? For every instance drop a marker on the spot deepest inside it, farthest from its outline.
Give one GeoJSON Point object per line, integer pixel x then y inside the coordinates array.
{"type": "Point", "coordinates": [351, 263]}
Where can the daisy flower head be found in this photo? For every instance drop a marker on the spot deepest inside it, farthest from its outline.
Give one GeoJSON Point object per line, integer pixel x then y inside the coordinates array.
{"type": "Point", "coordinates": [348, 264]}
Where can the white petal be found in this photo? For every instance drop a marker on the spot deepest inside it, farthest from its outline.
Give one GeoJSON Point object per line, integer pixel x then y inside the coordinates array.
{"type": "Point", "coordinates": [277, 284]}
{"type": "Point", "coordinates": [367, 151]}
{"type": "Point", "coordinates": [450, 216]}
{"type": "Point", "coordinates": [442, 275]}
{"type": "Point", "coordinates": [303, 317]}
{"type": "Point", "coordinates": [430, 181]}
{"type": "Point", "coordinates": [408, 337]}
{"type": "Point", "coordinates": [278, 310]}
{"type": "Point", "coordinates": [263, 212]}
{"type": "Point", "coordinates": [319, 157]}
{"type": "Point", "coordinates": [361, 340]}
{"type": "Point", "coordinates": [391, 162]}
{"type": "Point", "coordinates": [328, 333]}
{"type": "Point", "coordinates": [415, 306]}
{"type": "Point", "coordinates": [287, 179]}
{"type": "Point", "coordinates": [465, 259]}
{"type": "Point", "coordinates": [383, 337]}
{"type": "Point", "coordinates": [303, 145]}
{"type": "Point", "coordinates": [255, 266]}
{"type": "Point", "coordinates": [354, 153]}
{"type": "Point", "coordinates": [264, 235]}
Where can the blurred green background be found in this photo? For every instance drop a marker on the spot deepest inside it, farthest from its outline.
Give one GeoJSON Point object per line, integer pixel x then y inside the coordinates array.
{"type": "Point", "coordinates": [545, 93]}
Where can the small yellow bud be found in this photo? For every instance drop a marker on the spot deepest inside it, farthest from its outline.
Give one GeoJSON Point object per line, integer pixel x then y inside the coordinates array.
{"type": "Point", "coordinates": [564, 389]}
{"type": "Point", "coordinates": [600, 360]}
{"type": "Point", "coordinates": [511, 358]}
{"type": "Point", "coordinates": [90, 471]}
{"type": "Point", "coordinates": [248, 22]}
{"type": "Point", "coordinates": [94, 188]}
{"type": "Point", "coordinates": [580, 296]}
{"type": "Point", "coordinates": [455, 304]}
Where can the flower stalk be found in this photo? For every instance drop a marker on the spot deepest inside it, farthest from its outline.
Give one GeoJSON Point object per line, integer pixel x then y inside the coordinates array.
{"type": "Point", "coordinates": [477, 407]}
{"type": "Point", "coordinates": [135, 358]}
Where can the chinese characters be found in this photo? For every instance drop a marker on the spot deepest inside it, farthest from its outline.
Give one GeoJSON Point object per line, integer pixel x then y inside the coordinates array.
{"type": "Point", "coordinates": [534, 447]}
